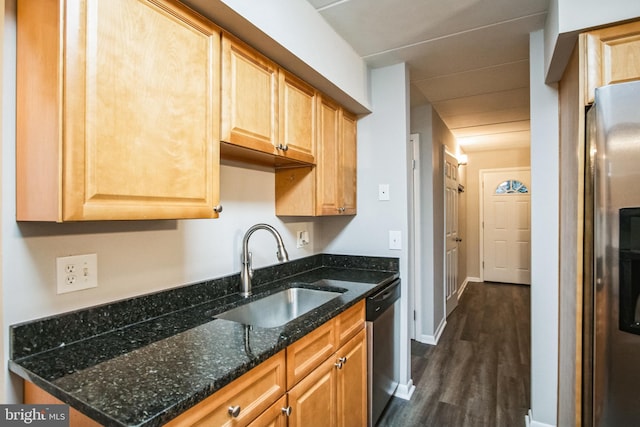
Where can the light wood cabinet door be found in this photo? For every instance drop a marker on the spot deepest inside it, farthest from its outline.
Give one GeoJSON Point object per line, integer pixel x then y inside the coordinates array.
{"type": "Point", "coordinates": [613, 56]}
{"type": "Point", "coordinates": [116, 120]}
{"type": "Point", "coordinates": [297, 118]}
{"type": "Point", "coordinates": [330, 187]}
{"type": "Point", "coordinates": [352, 382]}
{"type": "Point", "coordinates": [249, 97]}
{"type": "Point", "coordinates": [253, 393]}
{"type": "Point", "coordinates": [275, 416]}
{"type": "Point", "coordinates": [328, 167]}
{"type": "Point", "coordinates": [348, 163]}
{"type": "Point", "coordinates": [313, 400]}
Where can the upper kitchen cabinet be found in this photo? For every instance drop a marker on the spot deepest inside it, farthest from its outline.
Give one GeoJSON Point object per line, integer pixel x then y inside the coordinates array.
{"type": "Point", "coordinates": [330, 187]}
{"type": "Point", "coordinates": [249, 97]}
{"type": "Point", "coordinates": [612, 56]}
{"type": "Point", "coordinates": [264, 109]}
{"type": "Point", "coordinates": [348, 161]}
{"type": "Point", "coordinates": [117, 111]}
{"type": "Point", "coordinates": [297, 118]}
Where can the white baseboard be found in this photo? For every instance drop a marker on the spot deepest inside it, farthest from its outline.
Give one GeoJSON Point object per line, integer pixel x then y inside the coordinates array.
{"type": "Point", "coordinates": [405, 391]}
{"type": "Point", "coordinates": [529, 421]}
{"type": "Point", "coordinates": [433, 339]}
{"type": "Point", "coordinates": [473, 279]}
{"type": "Point", "coordinates": [463, 287]}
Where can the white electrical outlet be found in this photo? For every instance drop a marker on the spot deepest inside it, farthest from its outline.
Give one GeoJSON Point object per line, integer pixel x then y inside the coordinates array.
{"type": "Point", "coordinates": [77, 272]}
{"type": "Point", "coordinates": [303, 239]}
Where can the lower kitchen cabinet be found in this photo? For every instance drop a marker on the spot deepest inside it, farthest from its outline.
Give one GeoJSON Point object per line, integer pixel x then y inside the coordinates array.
{"type": "Point", "coordinates": [240, 402]}
{"type": "Point", "coordinates": [335, 393]}
{"type": "Point", "coordinates": [275, 416]}
{"type": "Point", "coordinates": [351, 383]}
{"type": "Point", "coordinates": [35, 395]}
{"type": "Point", "coordinates": [313, 401]}
{"type": "Point", "coordinates": [308, 384]}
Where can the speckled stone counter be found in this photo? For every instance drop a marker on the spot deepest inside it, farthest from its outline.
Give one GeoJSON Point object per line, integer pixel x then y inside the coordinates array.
{"type": "Point", "coordinates": [145, 360]}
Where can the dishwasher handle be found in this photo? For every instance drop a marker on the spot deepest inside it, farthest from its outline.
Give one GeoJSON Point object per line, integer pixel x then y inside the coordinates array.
{"type": "Point", "coordinates": [381, 301]}
{"type": "Point", "coordinates": [385, 294]}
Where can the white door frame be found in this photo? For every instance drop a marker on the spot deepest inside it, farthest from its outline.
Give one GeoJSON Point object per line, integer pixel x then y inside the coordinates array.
{"type": "Point", "coordinates": [481, 173]}
{"type": "Point", "coordinates": [416, 242]}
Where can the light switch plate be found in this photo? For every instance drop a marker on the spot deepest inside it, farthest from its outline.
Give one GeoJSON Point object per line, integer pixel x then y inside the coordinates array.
{"type": "Point", "coordinates": [383, 192]}
{"type": "Point", "coordinates": [395, 240]}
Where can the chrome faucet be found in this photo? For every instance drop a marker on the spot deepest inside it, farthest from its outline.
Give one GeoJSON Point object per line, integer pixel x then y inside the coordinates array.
{"type": "Point", "coordinates": [246, 273]}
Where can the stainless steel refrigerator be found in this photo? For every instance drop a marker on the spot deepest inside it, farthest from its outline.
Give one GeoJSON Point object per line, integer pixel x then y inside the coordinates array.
{"type": "Point", "coordinates": [611, 375]}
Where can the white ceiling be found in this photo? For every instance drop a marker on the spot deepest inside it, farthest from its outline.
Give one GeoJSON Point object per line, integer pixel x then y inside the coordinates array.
{"type": "Point", "coordinates": [468, 58]}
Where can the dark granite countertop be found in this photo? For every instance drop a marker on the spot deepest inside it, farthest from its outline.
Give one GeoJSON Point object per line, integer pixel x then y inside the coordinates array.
{"type": "Point", "coordinates": [145, 369]}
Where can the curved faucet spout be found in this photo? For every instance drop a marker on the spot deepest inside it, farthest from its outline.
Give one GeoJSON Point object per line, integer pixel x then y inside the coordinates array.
{"type": "Point", "coordinates": [246, 273]}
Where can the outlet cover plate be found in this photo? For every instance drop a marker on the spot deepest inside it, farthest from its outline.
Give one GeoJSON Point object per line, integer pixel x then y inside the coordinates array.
{"type": "Point", "coordinates": [383, 192]}
{"type": "Point", "coordinates": [76, 272]}
{"type": "Point", "coordinates": [395, 240]}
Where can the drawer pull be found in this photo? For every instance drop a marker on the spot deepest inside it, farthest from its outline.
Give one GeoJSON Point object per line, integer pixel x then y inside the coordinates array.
{"type": "Point", "coordinates": [234, 411]}
{"type": "Point", "coordinates": [343, 360]}
{"type": "Point", "coordinates": [287, 411]}
{"type": "Point", "coordinates": [338, 365]}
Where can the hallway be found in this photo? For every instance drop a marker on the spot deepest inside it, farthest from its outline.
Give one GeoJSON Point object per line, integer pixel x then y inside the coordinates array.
{"type": "Point", "coordinates": [479, 373]}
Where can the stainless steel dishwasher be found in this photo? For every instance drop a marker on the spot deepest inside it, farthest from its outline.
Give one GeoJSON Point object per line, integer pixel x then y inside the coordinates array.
{"type": "Point", "coordinates": [382, 336]}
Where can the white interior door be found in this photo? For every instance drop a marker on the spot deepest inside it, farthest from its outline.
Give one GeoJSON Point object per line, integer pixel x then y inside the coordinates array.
{"type": "Point", "coordinates": [507, 226]}
{"type": "Point", "coordinates": [451, 231]}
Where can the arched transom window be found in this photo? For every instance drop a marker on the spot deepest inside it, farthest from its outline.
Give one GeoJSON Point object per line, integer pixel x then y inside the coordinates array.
{"type": "Point", "coordinates": [511, 186]}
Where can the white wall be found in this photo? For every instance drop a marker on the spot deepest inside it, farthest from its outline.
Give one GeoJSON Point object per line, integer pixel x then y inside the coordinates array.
{"type": "Point", "coordinates": [297, 26]}
{"type": "Point", "coordinates": [567, 18]}
{"type": "Point", "coordinates": [304, 42]}
{"type": "Point", "coordinates": [544, 238]}
{"type": "Point", "coordinates": [135, 258]}
{"type": "Point", "coordinates": [3, 372]}
{"type": "Point", "coordinates": [383, 138]}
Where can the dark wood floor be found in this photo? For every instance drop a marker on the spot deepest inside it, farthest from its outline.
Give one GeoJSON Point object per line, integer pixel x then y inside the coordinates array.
{"type": "Point", "coordinates": [479, 373]}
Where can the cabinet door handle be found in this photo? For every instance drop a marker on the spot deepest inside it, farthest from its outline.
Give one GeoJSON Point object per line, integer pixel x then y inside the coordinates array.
{"type": "Point", "coordinates": [338, 365]}
{"type": "Point", "coordinates": [234, 411]}
{"type": "Point", "coordinates": [283, 147]}
{"type": "Point", "coordinates": [343, 360]}
{"type": "Point", "coordinates": [287, 411]}
{"type": "Point", "coordinates": [217, 209]}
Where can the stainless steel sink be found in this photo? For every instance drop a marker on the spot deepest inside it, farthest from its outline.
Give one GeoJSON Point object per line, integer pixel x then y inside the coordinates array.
{"type": "Point", "coordinates": [279, 308]}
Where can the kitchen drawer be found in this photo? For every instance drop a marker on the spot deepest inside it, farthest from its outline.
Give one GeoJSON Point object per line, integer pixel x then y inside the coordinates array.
{"type": "Point", "coordinates": [350, 322]}
{"type": "Point", "coordinates": [253, 392]}
{"type": "Point", "coordinates": [304, 355]}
